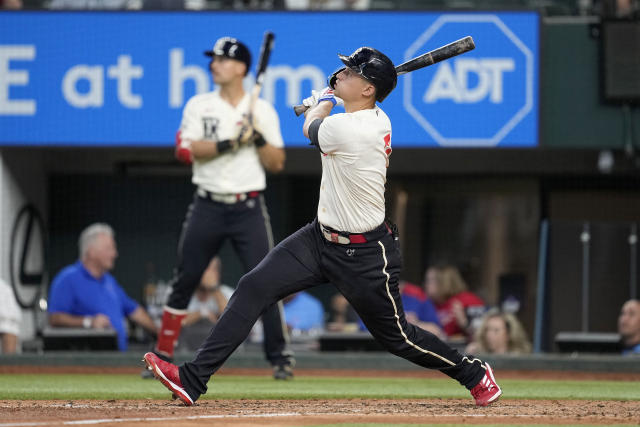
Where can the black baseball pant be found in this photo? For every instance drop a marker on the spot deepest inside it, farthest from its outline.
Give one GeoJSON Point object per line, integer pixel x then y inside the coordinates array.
{"type": "Point", "coordinates": [246, 224]}
{"type": "Point", "coordinates": [366, 274]}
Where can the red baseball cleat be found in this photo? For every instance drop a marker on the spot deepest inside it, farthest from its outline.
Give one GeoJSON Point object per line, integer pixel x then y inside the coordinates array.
{"type": "Point", "coordinates": [168, 375]}
{"type": "Point", "coordinates": [487, 390]}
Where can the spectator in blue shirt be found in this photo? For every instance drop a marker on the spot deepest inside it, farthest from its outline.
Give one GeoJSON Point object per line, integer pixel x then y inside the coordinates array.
{"type": "Point", "coordinates": [85, 295]}
{"type": "Point", "coordinates": [303, 312]}
{"type": "Point", "coordinates": [629, 327]}
{"type": "Point", "coordinates": [419, 309]}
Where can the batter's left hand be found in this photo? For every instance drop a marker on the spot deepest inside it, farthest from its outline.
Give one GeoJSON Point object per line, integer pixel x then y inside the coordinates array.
{"type": "Point", "coordinates": [325, 94]}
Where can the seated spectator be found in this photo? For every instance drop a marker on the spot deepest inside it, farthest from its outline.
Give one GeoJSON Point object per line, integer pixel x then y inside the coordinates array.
{"type": "Point", "coordinates": [419, 309]}
{"type": "Point", "coordinates": [500, 333]}
{"type": "Point", "coordinates": [303, 313]}
{"type": "Point", "coordinates": [328, 4]}
{"type": "Point", "coordinates": [10, 318]}
{"type": "Point", "coordinates": [617, 8]}
{"type": "Point", "coordinates": [205, 307]}
{"type": "Point", "coordinates": [253, 4]}
{"type": "Point", "coordinates": [85, 295]}
{"type": "Point", "coordinates": [343, 318]}
{"type": "Point", "coordinates": [629, 327]}
{"type": "Point", "coordinates": [457, 308]}
{"type": "Point", "coordinates": [11, 4]}
{"type": "Point", "coordinates": [88, 4]}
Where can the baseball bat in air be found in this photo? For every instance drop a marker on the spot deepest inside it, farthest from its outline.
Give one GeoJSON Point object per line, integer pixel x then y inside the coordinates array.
{"type": "Point", "coordinates": [450, 50]}
{"type": "Point", "coordinates": [263, 61]}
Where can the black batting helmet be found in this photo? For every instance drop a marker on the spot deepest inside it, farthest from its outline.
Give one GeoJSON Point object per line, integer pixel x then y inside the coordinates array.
{"type": "Point", "coordinates": [372, 65]}
{"type": "Point", "coordinates": [231, 48]}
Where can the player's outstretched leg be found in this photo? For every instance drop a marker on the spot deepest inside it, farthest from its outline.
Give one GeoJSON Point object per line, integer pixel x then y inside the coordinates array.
{"type": "Point", "coordinates": [487, 390]}
{"type": "Point", "coordinates": [377, 300]}
{"type": "Point", "coordinates": [168, 375]}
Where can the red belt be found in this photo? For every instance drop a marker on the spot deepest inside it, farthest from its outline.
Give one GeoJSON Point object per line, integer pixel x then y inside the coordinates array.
{"type": "Point", "coordinates": [345, 238]}
{"type": "Point", "coordinates": [249, 195]}
{"type": "Point", "coordinates": [342, 238]}
{"type": "Point", "coordinates": [229, 198]}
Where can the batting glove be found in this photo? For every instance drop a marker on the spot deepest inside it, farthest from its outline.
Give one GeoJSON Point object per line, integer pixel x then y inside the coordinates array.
{"type": "Point", "coordinates": [245, 132]}
{"type": "Point", "coordinates": [328, 95]}
{"type": "Point", "coordinates": [325, 94]}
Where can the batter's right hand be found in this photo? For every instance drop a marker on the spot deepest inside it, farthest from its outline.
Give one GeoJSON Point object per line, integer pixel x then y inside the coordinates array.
{"type": "Point", "coordinates": [327, 94]}
{"type": "Point", "coordinates": [246, 132]}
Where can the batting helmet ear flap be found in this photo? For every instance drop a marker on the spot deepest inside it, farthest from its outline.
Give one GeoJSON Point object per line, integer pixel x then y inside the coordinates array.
{"type": "Point", "coordinates": [332, 78]}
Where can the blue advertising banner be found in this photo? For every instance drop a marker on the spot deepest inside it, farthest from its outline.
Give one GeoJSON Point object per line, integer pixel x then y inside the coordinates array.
{"type": "Point", "coordinates": [122, 78]}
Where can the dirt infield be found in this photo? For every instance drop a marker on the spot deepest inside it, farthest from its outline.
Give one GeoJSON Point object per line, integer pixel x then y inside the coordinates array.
{"type": "Point", "coordinates": [313, 412]}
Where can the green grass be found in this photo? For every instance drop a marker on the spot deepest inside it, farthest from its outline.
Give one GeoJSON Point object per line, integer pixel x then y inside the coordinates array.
{"type": "Point", "coordinates": [76, 386]}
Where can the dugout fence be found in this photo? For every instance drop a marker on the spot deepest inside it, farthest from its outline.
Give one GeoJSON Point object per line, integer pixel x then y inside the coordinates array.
{"type": "Point", "coordinates": [587, 271]}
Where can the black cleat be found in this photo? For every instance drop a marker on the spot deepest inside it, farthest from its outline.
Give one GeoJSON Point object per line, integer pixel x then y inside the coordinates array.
{"type": "Point", "coordinates": [282, 372]}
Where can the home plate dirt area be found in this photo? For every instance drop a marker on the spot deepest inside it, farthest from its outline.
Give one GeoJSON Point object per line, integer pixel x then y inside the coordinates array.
{"type": "Point", "coordinates": [314, 412]}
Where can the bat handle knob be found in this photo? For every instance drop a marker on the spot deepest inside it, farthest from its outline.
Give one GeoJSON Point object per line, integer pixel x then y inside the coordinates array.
{"type": "Point", "coordinates": [299, 109]}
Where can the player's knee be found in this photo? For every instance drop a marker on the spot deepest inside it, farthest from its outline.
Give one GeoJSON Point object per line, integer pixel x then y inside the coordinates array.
{"type": "Point", "coordinates": [252, 284]}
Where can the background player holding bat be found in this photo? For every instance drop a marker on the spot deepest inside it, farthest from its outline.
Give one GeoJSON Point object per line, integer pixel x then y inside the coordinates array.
{"type": "Point", "coordinates": [229, 154]}
{"type": "Point", "coordinates": [349, 243]}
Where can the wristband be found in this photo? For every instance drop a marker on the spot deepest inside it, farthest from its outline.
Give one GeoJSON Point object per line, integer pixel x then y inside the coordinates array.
{"type": "Point", "coordinates": [183, 151]}
{"type": "Point", "coordinates": [86, 322]}
{"type": "Point", "coordinates": [183, 155]}
{"type": "Point", "coordinates": [331, 99]}
{"type": "Point", "coordinates": [224, 146]}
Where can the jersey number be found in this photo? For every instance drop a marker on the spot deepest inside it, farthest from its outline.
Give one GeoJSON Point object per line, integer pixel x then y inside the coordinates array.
{"type": "Point", "coordinates": [387, 147]}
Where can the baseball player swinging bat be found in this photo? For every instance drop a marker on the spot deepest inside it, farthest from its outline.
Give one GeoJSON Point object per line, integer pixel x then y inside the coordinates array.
{"type": "Point", "coordinates": [265, 53]}
{"type": "Point", "coordinates": [450, 50]}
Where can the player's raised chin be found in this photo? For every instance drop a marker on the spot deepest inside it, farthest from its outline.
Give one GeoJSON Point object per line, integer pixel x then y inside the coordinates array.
{"type": "Point", "coordinates": [354, 89]}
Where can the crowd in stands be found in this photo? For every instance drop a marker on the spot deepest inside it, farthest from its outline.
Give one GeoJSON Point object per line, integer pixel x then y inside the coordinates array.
{"type": "Point", "coordinates": [85, 295]}
{"type": "Point", "coordinates": [606, 8]}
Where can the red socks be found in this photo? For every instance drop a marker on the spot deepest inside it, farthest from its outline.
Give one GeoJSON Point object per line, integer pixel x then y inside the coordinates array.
{"type": "Point", "coordinates": [169, 331]}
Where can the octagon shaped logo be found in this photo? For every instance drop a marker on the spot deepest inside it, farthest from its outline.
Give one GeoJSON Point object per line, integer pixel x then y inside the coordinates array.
{"type": "Point", "coordinates": [480, 97]}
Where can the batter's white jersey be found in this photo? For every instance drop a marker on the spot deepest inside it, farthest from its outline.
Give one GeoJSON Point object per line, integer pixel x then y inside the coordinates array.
{"type": "Point", "coordinates": [209, 117]}
{"type": "Point", "coordinates": [356, 147]}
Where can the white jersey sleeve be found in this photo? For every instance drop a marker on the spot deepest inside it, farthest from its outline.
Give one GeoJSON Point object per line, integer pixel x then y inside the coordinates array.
{"type": "Point", "coordinates": [191, 126]}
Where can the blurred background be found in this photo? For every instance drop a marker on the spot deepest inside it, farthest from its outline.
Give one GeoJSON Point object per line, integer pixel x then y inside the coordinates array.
{"type": "Point", "coordinates": [517, 162]}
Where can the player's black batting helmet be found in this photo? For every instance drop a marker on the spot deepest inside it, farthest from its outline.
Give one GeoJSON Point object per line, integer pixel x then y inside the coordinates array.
{"type": "Point", "coordinates": [374, 66]}
{"type": "Point", "coordinates": [231, 48]}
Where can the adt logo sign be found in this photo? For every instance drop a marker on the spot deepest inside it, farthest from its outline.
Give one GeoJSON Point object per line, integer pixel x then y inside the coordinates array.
{"type": "Point", "coordinates": [486, 97]}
